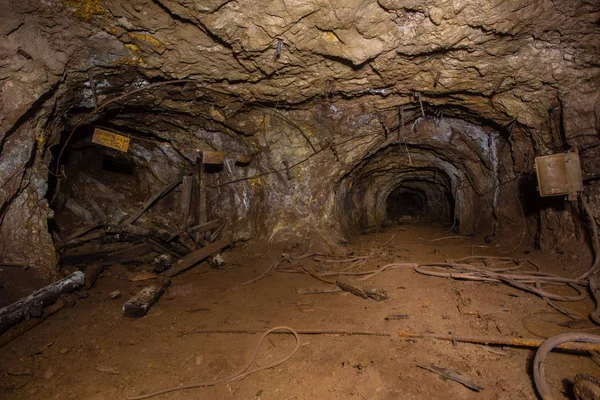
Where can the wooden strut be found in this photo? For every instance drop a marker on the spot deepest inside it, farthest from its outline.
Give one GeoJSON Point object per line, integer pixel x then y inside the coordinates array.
{"type": "Point", "coordinates": [195, 257]}
{"type": "Point", "coordinates": [170, 186]}
{"type": "Point", "coordinates": [20, 329]}
{"type": "Point", "coordinates": [34, 304]}
{"type": "Point", "coordinates": [139, 304]}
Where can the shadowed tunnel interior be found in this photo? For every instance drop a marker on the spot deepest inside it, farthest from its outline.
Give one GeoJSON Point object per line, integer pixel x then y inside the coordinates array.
{"type": "Point", "coordinates": [445, 170]}
{"type": "Point", "coordinates": [421, 200]}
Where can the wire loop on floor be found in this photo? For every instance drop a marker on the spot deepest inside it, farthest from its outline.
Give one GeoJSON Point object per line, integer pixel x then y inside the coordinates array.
{"type": "Point", "coordinates": [242, 373]}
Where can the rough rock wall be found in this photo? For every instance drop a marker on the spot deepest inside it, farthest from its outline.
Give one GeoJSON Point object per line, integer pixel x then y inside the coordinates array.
{"type": "Point", "coordinates": [526, 70]}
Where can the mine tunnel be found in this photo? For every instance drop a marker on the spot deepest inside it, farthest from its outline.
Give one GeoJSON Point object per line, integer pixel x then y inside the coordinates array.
{"type": "Point", "coordinates": [299, 200]}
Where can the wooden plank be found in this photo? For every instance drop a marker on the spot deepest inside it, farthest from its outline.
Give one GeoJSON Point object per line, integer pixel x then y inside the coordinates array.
{"type": "Point", "coordinates": [202, 211]}
{"type": "Point", "coordinates": [361, 289]}
{"type": "Point", "coordinates": [204, 227]}
{"type": "Point", "coordinates": [20, 329]}
{"type": "Point", "coordinates": [34, 304]}
{"type": "Point", "coordinates": [200, 191]}
{"type": "Point", "coordinates": [159, 247]}
{"type": "Point", "coordinates": [187, 185]}
{"type": "Point", "coordinates": [129, 252]}
{"type": "Point", "coordinates": [84, 258]}
{"type": "Point", "coordinates": [139, 304]}
{"type": "Point", "coordinates": [112, 140]}
{"type": "Point", "coordinates": [82, 231]}
{"type": "Point", "coordinates": [170, 186]}
{"type": "Point", "coordinates": [107, 256]}
{"type": "Point", "coordinates": [195, 257]}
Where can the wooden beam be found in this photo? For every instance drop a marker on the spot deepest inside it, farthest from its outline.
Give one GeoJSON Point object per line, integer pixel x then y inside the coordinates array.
{"type": "Point", "coordinates": [187, 186]}
{"type": "Point", "coordinates": [200, 181]}
{"type": "Point", "coordinates": [107, 256]}
{"type": "Point", "coordinates": [34, 304]}
{"type": "Point", "coordinates": [82, 231]}
{"type": "Point", "coordinates": [204, 227]}
{"type": "Point", "coordinates": [20, 329]}
{"type": "Point", "coordinates": [130, 252]}
{"type": "Point", "coordinates": [165, 190]}
{"type": "Point", "coordinates": [139, 304]}
{"type": "Point", "coordinates": [195, 257]}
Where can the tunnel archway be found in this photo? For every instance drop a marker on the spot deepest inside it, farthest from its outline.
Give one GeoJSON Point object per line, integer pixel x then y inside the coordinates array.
{"type": "Point", "coordinates": [445, 171]}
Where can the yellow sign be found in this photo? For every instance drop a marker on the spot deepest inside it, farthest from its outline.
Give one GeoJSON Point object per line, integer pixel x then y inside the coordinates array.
{"type": "Point", "coordinates": [112, 140]}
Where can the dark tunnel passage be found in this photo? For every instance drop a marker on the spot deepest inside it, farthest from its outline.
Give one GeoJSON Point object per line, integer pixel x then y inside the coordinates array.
{"type": "Point", "coordinates": [420, 201]}
{"type": "Point", "coordinates": [404, 201]}
{"type": "Point", "coordinates": [97, 184]}
{"type": "Point", "coordinates": [424, 180]}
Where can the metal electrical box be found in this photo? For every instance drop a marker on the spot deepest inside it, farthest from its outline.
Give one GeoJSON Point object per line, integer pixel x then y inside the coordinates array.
{"type": "Point", "coordinates": [559, 175]}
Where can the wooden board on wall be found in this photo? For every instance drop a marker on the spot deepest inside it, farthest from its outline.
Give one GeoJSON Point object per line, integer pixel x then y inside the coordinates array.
{"type": "Point", "coordinates": [212, 157]}
{"type": "Point", "coordinates": [112, 140]}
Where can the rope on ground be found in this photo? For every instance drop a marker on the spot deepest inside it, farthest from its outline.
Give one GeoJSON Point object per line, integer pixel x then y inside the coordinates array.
{"type": "Point", "coordinates": [262, 275]}
{"type": "Point", "coordinates": [529, 281]}
{"type": "Point", "coordinates": [545, 349]}
{"type": "Point", "coordinates": [522, 280]}
{"type": "Point", "coordinates": [242, 373]}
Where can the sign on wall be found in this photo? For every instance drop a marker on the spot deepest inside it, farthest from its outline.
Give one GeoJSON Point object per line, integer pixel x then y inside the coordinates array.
{"type": "Point", "coordinates": [112, 140]}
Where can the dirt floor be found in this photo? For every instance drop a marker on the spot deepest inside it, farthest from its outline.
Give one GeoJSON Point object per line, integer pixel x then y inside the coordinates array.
{"type": "Point", "coordinates": [90, 351]}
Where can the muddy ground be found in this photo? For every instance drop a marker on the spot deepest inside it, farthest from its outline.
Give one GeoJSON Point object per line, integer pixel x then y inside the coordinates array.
{"type": "Point", "coordinates": [90, 351]}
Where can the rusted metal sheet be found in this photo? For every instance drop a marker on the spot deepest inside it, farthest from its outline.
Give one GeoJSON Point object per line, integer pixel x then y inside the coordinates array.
{"type": "Point", "coordinates": [112, 140]}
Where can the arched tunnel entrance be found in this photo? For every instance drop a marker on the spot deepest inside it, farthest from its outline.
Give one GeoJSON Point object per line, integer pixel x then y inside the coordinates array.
{"type": "Point", "coordinates": [444, 172]}
{"type": "Point", "coordinates": [97, 184]}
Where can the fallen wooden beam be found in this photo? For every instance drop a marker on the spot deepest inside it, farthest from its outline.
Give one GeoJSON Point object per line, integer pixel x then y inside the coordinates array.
{"type": "Point", "coordinates": [201, 228]}
{"type": "Point", "coordinates": [139, 304]}
{"type": "Point", "coordinates": [92, 272]}
{"type": "Point", "coordinates": [82, 231]}
{"type": "Point", "coordinates": [34, 304]}
{"type": "Point", "coordinates": [361, 289]}
{"type": "Point", "coordinates": [128, 253]}
{"type": "Point", "coordinates": [88, 237]}
{"type": "Point", "coordinates": [170, 186]}
{"type": "Point", "coordinates": [107, 256]}
{"type": "Point", "coordinates": [187, 185]}
{"type": "Point", "coordinates": [84, 258]}
{"type": "Point", "coordinates": [318, 290]}
{"type": "Point", "coordinates": [160, 247]}
{"type": "Point", "coordinates": [20, 329]}
{"type": "Point", "coordinates": [195, 257]}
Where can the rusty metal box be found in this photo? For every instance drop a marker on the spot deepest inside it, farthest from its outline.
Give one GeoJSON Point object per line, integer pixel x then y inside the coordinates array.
{"type": "Point", "coordinates": [559, 175]}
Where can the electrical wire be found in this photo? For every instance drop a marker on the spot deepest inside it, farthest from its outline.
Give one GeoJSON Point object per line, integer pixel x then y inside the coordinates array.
{"type": "Point", "coordinates": [242, 373]}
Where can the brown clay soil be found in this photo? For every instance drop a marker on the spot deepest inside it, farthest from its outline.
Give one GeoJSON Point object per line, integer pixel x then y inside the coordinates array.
{"type": "Point", "coordinates": [90, 351]}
